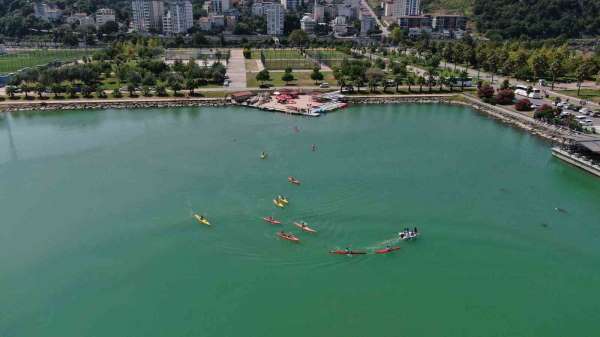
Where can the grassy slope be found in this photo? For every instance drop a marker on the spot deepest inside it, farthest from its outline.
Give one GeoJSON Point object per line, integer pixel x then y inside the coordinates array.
{"type": "Point", "coordinates": [448, 6]}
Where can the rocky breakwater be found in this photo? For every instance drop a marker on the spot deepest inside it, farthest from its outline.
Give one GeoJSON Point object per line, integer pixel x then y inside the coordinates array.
{"type": "Point", "coordinates": [9, 106]}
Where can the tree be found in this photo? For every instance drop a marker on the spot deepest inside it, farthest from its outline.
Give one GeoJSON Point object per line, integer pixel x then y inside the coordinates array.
{"type": "Point", "coordinates": [538, 64]}
{"type": "Point", "coordinates": [398, 81]}
{"type": "Point", "coordinates": [191, 84]}
{"type": "Point", "coordinates": [11, 90]}
{"type": "Point", "coordinates": [485, 92]}
{"type": "Point", "coordinates": [161, 90]}
{"type": "Point", "coordinates": [421, 81]}
{"type": "Point", "coordinates": [263, 76]}
{"type": "Point", "coordinates": [583, 71]}
{"type": "Point", "coordinates": [410, 80]}
{"type": "Point", "coordinates": [316, 75]}
{"type": "Point", "coordinates": [108, 28]}
{"type": "Point", "coordinates": [374, 76]}
{"type": "Point", "coordinates": [298, 38]}
{"type": "Point", "coordinates": [149, 80]}
{"type": "Point", "coordinates": [57, 89]}
{"type": "Point", "coordinates": [505, 96]}
{"type": "Point", "coordinates": [247, 53]}
{"type": "Point", "coordinates": [556, 69]}
{"type": "Point", "coordinates": [287, 76]}
{"type": "Point", "coordinates": [175, 82]}
{"type": "Point", "coordinates": [464, 76]}
{"type": "Point", "coordinates": [116, 93]}
{"type": "Point", "coordinates": [25, 88]}
{"type": "Point", "coordinates": [86, 91]}
{"type": "Point", "coordinates": [146, 91]}
{"type": "Point", "coordinates": [40, 89]}
{"type": "Point", "coordinates": [523, 105]}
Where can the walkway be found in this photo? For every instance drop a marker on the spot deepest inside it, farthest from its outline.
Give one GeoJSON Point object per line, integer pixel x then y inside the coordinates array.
{"type": "Point", "coordinates": [236, 69]}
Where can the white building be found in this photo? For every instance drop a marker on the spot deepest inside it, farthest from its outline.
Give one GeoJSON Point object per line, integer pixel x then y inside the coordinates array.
{"type": "Point", "coordinates": [81, 19]}
{"type": "Point", "coordinates": [179, 18]}
{"type": "Point", "coordinates": [290, 5]}
{"type": "Point", "coordinates": [147, 15]}
{"type": "Point", "coordinates": [275, 14]}
{"type": "Point", "coordinates": [308, 24]}
{"type": "Point", "coordinates": [205, 23]}
{"type": "Point", "coordinates": [407, 8]}
{"type": "Point", "coordinates": [339, 25]}
{"type": "Point", "coordinates": [46, 11]}
{"type": "Point", "coordinates": [103, 15]}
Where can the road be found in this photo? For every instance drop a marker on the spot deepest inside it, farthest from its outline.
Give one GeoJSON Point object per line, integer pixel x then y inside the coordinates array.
{"type": "Point", "coordinates": [236, 69]}
{"type": "Point", "coordinates": [364, 5]}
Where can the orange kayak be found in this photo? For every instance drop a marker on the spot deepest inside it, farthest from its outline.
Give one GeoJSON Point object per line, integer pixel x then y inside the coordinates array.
{"type": "Point", "coordinates": [304, 227]}
{"type": "Point", "coordinates": [288, 236]}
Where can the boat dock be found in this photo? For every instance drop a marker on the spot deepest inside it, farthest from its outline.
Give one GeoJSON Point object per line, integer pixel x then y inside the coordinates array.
{"type": "Point", "coordinates": [577, 160]}
{"type": "Point", "coordinates": [290, 102]}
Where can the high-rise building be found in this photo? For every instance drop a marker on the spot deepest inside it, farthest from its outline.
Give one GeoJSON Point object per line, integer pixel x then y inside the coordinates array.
{"type": "Point", "coordinates": [318, 12]}
{"type": "Point", "coordinates": [147, 15]}
{"type": "Point", "coordinates": [290, 5]}
{"type": "Point", "coordinates": [219, 6]}
{"type": "Point", "coordinates": [275, 14]}
{"type": "Point", "coordinates": [407, 7]}
{"type": "Point", "coordinates": [308, 24]}
{"type": "Point", "coordinates": [179, 17]}
{"type": "Point", "coordinates": [103, 15]}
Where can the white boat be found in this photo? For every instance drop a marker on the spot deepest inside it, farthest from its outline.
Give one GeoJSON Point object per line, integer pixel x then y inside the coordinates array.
{"type": "Point", "coordinates": [410, 235]}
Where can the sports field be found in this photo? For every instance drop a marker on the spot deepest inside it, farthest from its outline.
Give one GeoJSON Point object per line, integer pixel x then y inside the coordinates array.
{"type": "Point", "coordinates": [279, 59]}
{"type": "Point", "coordinates": [330, 57]}
{"type": "Point", "coordinates": [12, 62]}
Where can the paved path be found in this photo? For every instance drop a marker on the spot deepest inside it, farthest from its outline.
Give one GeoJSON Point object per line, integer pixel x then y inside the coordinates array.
{"type": "Point", "coordinates": [236, 69]}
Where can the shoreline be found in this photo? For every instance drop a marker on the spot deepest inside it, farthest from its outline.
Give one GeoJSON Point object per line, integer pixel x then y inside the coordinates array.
{"type": "Point", "coordinates": [537, 128]}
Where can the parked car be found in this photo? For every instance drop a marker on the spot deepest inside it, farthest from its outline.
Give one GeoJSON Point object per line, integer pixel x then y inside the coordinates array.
{"type": "Point", "coordinates": [324, 85]}
{"type": "Point", "coordinates": [585, 111]}
{"type": "Point", "coordinates": [596, 114]}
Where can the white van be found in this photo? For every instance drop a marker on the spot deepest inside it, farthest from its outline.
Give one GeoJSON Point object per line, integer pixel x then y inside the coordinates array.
{"type": "Point", "coordinates": [521, 90]}
{"type": "Point", "coordinates": [535, 93]}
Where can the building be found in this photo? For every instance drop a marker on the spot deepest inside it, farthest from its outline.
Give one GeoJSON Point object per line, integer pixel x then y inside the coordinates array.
{"type": "Point", "coordinates": [367, 23]}
{"type": "Point", "coordinates": [46, 11]}
{"type": "Point", "coordinates": [339, 25]}
{"type": "Point", "coordinates": [449, 22]}
{"type": "Point", "coordinates": [308, 24]}
{"type": "Point", "coordinates": [389, 8]}
{"type": "Point", "coordinates": [275, 14]}
{"type": "Point", "coordinates": [147, 15]}
{"type": "Point", "coordinates": [179, 18]}
{"type": "Point", "coordinates": [258, 8]}
{"type": "Point", "coordinates": [205, 23]}
{"type": "Point", "coordinates": [103, 15]}
{"type": "Point", "coordinates": [419, 22]}
{"type": "Point", "coordinates": [318, 12]}
{"type": "Point", "coordinates": [219, 6]}
{"type": "Point", "coordinates": [230, 22]}
{"type": "Point", "coordinates": [80, 19]}
{"type": "Point", "coordinates": [290, 5]}
{"type": "Point", "coordinates": [407, 8]}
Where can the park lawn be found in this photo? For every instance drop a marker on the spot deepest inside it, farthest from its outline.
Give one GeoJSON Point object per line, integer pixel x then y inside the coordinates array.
{"type": "Point", "coordinates": [587, 94]}
{"type": "Point", "coordinates": [252, 65]}
{"type": "Point", "coordinates": [328, 54]}
{"type": "Point", "coordinates": [13, 62]}
{"type": "Point", "coordinates": [302, 79]}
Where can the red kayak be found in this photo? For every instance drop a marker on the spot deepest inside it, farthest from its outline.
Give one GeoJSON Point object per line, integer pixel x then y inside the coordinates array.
{"type": "Point", "coordinates": [294, 180]}
{"type": "Point", "coordinates": [288, 236]}
{"type": "Point", "coordinates": [386, 250]}
{"type": "Point", "coordinates": [345, 252]}
{"type": "Point", "coordinates": [272, 221]}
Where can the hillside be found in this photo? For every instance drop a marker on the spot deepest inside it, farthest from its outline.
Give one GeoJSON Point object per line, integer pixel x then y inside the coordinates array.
{"type": "Point", "coordinates": [537, 18]}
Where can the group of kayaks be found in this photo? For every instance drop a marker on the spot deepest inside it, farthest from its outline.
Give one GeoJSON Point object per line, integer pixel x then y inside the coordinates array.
{"type": "Point", "coordinates": [364, 252]}
{"type": "Point", "coordinates": [289, 236]}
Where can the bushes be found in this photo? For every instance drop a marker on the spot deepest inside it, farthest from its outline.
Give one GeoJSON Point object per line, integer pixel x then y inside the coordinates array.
{"type": "Point", "coordinates": [247, 53]}
{"type": "Point", "coordinates": [486, 93]}
{"type": "Point", "coordinates": [545, 113]}
{"type": "Point", "coordinates": [523, 105]}
{"type": "Point", "coordinates": [505, 96]}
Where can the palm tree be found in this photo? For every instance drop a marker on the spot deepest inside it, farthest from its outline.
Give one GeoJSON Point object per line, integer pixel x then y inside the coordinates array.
{"type": "Point", "coordinates": [410, 80]}
{"type": "Point", "coordinates": [398, 81]}
{"type": "Point", "coordinates": [421, 81]}
{"type": "Point", "coordinates": [40, 89]}
{"type": "Point", "coordinates": [11, 90]}
{"type": "Point", "coordinates": [26, 89]}
{"type": "Point", "coordinates": [441, 81]}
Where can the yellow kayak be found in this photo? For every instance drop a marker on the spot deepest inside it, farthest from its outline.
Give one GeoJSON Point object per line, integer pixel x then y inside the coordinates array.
{"type": "Point", "coordinates": [283, 200]}
{"type": "Point", "coordinates": [263, 156]}
{"type": "Point", "coordinates": [201, 219]}
{"type": "Point", "coordinates": [278, 203]}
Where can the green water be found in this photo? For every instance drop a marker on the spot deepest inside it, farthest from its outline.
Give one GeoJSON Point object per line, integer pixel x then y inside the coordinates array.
{"type": "Point", "coordinates": [96, 237]}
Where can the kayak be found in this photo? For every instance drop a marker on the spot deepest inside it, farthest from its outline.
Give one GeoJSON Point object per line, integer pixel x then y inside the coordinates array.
{"type": "Point", "coordinates": [272, 221]}
{"type": "Point", "coordinates": [409, 236]}
{"type": "Point", "coordinates": [294, 180]}
{"type": "Point", "coordinates": [304, 227]}
{"type": "Point", "coordinates": [263, 156]}
{"type": "Point", "coordinates": [283, 200]}
{"type": "Point", "coordinates": [386, 250]}
{"type": "Point", "coordinates": [201, 220]}
{"type": "Point", "coordinates": [345, 252]}
{"type": "Point", "coordinates": [278, 203]}
{"type": "Point", "coordinates": [288, 236]}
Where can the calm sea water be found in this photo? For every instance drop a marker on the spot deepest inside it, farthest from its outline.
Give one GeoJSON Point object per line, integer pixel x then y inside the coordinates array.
{"type": "Point", "coordinates": [96, 237]}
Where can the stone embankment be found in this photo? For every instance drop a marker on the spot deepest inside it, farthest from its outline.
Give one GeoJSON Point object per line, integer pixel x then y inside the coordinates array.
{"type": "Point", "coordinates": [110, 104]}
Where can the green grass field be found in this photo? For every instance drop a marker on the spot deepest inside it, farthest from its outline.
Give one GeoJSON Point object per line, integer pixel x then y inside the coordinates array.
{"type": "Point", "coordinates": [279, 59]}
{"type": "Point", "coordinates": [587, 94]}
{"type": "Point", "coordinates": [302, 79]}
{"type": "Point", "coordinates": [331, 57]}
{"type": "Point", "coordinates": [15, 61]}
